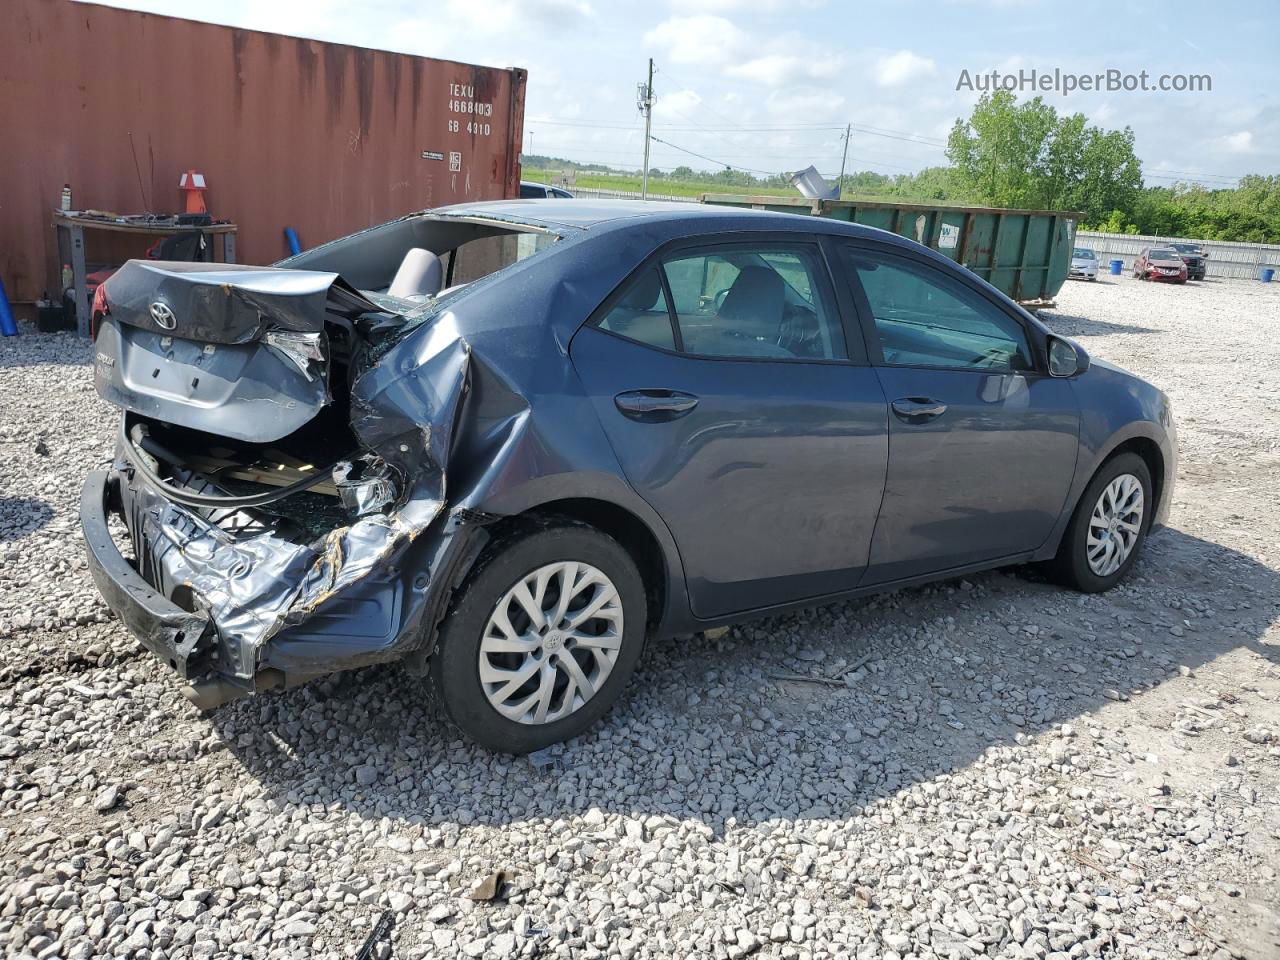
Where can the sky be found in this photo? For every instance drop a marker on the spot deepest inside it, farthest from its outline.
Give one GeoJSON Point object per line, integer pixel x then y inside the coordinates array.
{"type": "Point", "coordinates": [769, 85]}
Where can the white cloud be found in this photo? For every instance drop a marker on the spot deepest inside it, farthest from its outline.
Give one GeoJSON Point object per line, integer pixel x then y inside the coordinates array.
{"type": "Point", "coordinates": [1241, 142]}
{"type": "Point", "coordinates": [777, 69]}
{"type": "Point", "coordinates": [504, 16]}
{"type": "Point", "coordinates": [903, 67]}
{"type": "Point", "coordinates": [787, 104]}
{"type": "Point", "coordinates": [488, 31]}
{"type": "Point", "coordinates": [703, 39]}
{"type": "Point", "coordinates": [743, 6]}
{"type": "Point", "coordinates": [676, 105]}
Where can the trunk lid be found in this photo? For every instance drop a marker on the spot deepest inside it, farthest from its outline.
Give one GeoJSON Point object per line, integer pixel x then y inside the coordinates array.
{"type": "Point", "coordinates": [238, 351]}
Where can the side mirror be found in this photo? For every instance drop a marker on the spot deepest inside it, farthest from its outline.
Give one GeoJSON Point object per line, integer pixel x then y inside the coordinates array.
{"type": "Point", "coordinates": [1066, 359]}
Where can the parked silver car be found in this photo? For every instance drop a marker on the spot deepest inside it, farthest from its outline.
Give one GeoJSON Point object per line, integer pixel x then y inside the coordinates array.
{"type": "Point", "coordinates": [1084, 264]}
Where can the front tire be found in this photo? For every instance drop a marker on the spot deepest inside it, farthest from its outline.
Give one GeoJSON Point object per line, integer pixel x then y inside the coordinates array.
{"type": "Point", "coordinates": [541, 639]}
{"type": "Point", "coordinates": [1109, 527]}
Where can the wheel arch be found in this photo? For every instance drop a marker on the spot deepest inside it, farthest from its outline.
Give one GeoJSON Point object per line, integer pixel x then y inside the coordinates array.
{"type": "Point", "coordinates": [663, 579]}
{"type": "Point", "coordinates": [1140, 439]}
{"type": "Point", "coordinates": [1151, 455]}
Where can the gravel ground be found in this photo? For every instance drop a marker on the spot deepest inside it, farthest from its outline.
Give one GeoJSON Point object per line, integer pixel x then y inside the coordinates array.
{"type": "Point", "coordinates": [1012, 770]}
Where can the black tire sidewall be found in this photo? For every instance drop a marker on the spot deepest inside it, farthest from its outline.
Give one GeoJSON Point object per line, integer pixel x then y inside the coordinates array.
{"type": "Point", "coordinates": [1073, 560]}
{"type": "Point", "coordinates": [454, 671]}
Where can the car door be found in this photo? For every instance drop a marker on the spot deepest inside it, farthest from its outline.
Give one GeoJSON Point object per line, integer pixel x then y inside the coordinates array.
{"type": "Point", "coordinates": [982, 442]}
{"type": "Point", "coordinates": [722, 374]}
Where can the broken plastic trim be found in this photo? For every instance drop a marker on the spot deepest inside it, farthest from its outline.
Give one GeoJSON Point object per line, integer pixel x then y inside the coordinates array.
{"type": "Point", "coordinates": [137, 438]}
{"type": "Point", "coordinates": [298, 348]}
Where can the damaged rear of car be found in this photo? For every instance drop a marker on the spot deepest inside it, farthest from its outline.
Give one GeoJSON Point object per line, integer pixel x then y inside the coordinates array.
{"type": "Point", "coordinates": [284, 447]}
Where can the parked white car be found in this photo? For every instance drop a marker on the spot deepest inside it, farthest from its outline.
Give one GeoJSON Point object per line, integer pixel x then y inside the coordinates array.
{"type": "Point", "coordinates": [1084, 264]}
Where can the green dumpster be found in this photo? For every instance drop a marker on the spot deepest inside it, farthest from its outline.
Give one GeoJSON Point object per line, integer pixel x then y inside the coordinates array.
{"type": "Point", "coordinates": [1024, 253]}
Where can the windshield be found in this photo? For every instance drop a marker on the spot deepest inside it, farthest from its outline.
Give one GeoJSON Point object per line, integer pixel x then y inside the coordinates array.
{"type": "Point", "coordinates": [1083, 253]}
{"type": "Point", "coordinates": [1186, 248]}
{"type": "Point", "coordinates": [1163, 254]}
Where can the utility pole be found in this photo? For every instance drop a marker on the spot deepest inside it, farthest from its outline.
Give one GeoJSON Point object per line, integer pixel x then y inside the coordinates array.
{"type": "Point", "coordinates": [644, 103]}
{"type": "Point", "coordinates": [848, 131]}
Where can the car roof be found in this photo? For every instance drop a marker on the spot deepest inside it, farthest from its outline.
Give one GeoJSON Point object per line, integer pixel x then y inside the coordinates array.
{"type": "Point", "coordinates": [585, 213]}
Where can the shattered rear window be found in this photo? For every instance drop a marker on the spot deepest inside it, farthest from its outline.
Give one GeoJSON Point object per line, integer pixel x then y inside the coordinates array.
{"type": "Point", "coordinates": [487, 255]}
{"type": "Point", "coordinates": [469, 262]}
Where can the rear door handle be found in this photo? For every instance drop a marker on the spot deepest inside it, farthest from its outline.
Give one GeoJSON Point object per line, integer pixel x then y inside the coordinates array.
{"type": "Point", "coordinates": [654, 406]}
{"type": "Point", "coordinates": [918, 409]}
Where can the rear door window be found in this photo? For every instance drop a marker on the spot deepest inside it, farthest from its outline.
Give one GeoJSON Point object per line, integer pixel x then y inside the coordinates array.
{"type": "Point", "coordinates": [754, 301]}
{"type": "Point", "coordinates": [641, 312]}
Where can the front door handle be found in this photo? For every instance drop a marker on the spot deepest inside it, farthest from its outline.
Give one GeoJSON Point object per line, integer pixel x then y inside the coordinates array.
{"type": "Point", "coordinates": [654, 406]}
{"type": "Point", "coordinates": [918, 409]}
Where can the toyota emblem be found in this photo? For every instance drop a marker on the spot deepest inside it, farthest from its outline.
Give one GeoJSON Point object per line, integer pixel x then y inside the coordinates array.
{"type": "Point", "coordinates": [163, 316]}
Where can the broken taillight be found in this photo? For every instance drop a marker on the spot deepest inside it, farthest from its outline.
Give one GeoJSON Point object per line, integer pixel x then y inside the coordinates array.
{"type": "Point", "coordinates": [100, 309]}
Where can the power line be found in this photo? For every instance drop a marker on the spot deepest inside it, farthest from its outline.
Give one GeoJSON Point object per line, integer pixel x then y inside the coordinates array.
{"type": "Point", "coordinates": [1165, 175]}
{"type": "Point", "coordinates": [721, 163]}
{"type": "Point", "coordinates": [900, 134]}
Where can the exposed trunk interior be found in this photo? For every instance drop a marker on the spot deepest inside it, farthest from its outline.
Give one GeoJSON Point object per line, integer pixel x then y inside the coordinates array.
{"type": "Point", "coordinates": [240, 468]}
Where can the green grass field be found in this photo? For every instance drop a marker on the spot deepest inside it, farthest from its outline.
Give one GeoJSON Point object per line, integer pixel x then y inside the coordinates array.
{"type": "Point", "coordinates": [661, 187]}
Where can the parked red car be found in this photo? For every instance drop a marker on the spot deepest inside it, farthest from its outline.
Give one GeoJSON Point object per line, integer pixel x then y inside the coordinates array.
{"type": "Point", "coordinates": [1160, 263]}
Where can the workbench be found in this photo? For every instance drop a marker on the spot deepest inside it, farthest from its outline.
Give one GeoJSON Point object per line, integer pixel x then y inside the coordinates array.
{"type": "Point", "coordinates": [71, 230]}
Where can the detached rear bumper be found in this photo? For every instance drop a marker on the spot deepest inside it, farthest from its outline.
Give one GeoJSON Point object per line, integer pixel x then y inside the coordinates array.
{"type": "Point", "coordinates": [171, 633]}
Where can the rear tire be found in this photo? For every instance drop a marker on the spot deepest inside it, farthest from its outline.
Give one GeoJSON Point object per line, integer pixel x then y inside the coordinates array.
{"type": "Point", "coordinates": [489, 640]}
{"type": "Point", "coordinates": [1105, 537]}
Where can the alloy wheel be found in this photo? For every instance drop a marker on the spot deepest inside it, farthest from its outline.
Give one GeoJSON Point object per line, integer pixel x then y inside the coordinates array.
{"type": "Point", "coordinates": [551, 642]}
{"type": "Point", "coordinates": [1115, 525]}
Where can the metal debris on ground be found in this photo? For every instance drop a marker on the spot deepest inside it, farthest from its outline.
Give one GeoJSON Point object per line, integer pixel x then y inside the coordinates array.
{"type": "Point", "coordinates": [381, 930]}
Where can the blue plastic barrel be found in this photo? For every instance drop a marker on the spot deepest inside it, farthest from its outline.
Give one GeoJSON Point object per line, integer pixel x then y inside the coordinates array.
{"type": "Point", "coordinates": [1116, 267]}
{"type": "Point", "coordinates": [1268, 274]}
{"type": "Point", "coordinates": [7, 325]}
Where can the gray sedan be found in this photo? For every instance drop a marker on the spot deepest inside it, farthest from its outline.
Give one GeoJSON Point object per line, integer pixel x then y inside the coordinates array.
{"type": "Point", "coordinates": [507, 442]}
